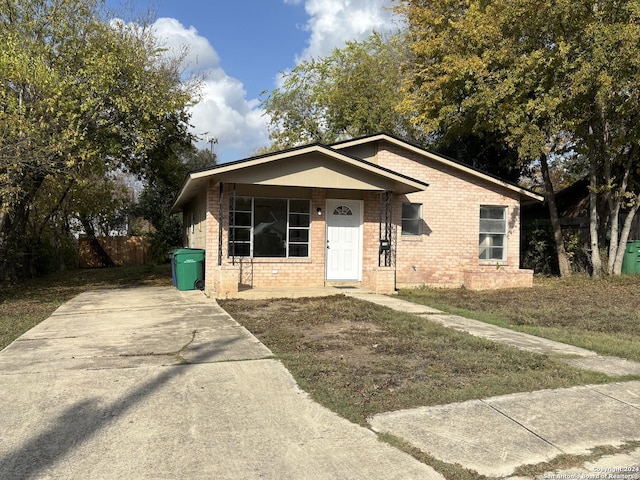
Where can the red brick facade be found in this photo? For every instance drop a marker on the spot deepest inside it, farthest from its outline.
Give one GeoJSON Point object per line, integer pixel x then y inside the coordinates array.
{"type": "Point", "coordinates": [445, 254]}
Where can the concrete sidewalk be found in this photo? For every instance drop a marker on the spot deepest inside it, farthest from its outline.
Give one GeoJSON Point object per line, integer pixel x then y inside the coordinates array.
{"type": "Point", "coordinates": [494, 436]}
{"type": "Point", "coordinates": [153, 383]}
{"type": "Point", "coordinates": [576, 356]}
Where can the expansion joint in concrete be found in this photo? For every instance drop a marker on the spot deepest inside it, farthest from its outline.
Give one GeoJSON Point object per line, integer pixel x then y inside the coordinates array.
{"type": "Point", "coordinates": [591, 387]}
{"type": "Point", "coordinates": [523, 426]}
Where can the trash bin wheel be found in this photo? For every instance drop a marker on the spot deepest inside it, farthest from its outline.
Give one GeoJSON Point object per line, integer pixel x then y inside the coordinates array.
{"type": "Point", "coordinates": [199, 284]}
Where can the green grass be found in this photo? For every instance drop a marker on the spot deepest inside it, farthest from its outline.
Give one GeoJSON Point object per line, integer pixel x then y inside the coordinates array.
{"type": "Point", "coordinates": [24, 305]}
{"type": "Point", "coordinates": [600, 315]}
{"type": "Point", "coordinates": [360, 359]}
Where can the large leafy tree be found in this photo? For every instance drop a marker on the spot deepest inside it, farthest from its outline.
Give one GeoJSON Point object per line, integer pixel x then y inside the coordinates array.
{"type": "Point", "coordinates": [353, 91]}
{"type": "Point", "coordinates": [521, 69]}
{"type": "Point", "coordinates": [605, 103]}
{"type": "Point", "coordinates": [356, 90]}
{"type": "Point", "coordinates": [156, 199]}
{"type": "Point", "coordinates": [80, 99]}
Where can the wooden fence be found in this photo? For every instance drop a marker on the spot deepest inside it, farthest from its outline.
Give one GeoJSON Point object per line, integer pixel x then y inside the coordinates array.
{"type": "Point", "coordinates": [110, 251]}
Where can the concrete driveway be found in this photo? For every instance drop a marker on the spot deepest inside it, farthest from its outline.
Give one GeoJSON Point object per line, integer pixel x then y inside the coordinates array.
{"type": "Point", "coordinates": [157, 383]}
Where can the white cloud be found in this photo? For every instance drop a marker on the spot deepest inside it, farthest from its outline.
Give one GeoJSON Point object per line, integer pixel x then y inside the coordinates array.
{"type": "Point", "coordinates": [223, 111]}
{"type": "Point", "coordinates": [333, 22]}
{"type": "Point", "coordinates": [175, 36]}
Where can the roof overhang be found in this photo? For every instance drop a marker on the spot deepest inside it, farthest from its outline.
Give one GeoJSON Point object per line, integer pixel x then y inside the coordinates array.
{"type": "Point", "coordinates": [524, 193]}
{"type": "Point", "coordinates": [312, 166]}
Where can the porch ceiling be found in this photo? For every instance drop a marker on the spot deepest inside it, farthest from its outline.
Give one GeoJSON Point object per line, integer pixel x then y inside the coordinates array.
{"type": "Point", "coordinates": [313, 166]}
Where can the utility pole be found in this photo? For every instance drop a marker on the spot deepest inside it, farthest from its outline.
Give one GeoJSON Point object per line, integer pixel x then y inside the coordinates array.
{"type": "Point", "coordinates": [212, 141]}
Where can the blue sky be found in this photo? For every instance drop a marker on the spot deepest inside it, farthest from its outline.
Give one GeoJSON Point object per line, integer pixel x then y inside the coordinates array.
{"type": "Point", "coordinates": [238, 48]}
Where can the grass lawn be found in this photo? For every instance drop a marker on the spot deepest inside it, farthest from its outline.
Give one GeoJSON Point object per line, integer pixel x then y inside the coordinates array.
{"type": "Point", "coordinates": [599, 315]}
{"type": "Point", "coordinates": [25, 305]}
{"type": "Point", "coordinates": [359, 359]}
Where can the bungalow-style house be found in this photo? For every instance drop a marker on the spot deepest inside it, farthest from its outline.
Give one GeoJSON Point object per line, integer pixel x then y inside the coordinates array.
{"type": "Point", "coordinates": [375, 211]}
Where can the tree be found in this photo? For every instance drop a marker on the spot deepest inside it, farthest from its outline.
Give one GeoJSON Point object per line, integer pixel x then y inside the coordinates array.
{"type": "Point", "coordinates": [159, 193]}
{"type": "Point", "coordinates": [514, 67]}
{"type": "Point", "coordinates": [351, 92]}
{"type": "Point", "coordinates": [79, 99]}
{"type": "Point", "coordinates": [606, 112]}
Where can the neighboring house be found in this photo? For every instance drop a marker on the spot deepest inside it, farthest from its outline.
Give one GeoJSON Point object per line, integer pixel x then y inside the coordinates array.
{"type": "Point", "coordinates": [375, 211]}
{"type": "Point", "coordinates": [573, 210]}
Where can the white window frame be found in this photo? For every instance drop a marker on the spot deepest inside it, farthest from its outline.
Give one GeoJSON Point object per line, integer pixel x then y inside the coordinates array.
{"type": "Point", "coordinates": [289, 228]}
{"type": "Point", "coordinates": [490, 230]}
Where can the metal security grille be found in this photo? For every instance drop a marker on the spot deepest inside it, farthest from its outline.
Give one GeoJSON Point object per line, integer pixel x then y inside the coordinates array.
{"type": "Point", "coordinates": [387, 247]}
{"type": "Point", "coordinates": [220, 224]}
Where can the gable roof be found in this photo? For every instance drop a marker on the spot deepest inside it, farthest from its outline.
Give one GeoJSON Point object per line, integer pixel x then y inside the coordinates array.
{"type": "Point", "coordinates": [456, 165]}
{"type": "Point", "coordinates": [314, 165]}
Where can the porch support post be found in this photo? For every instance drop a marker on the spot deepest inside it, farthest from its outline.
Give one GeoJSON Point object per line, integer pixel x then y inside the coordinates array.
{"type": "Point", "coordinates": [233, 226]}
{"type": "Point", "coordinates": [220, 222]}
{"type": "Point", "coordinates": [385, 256]}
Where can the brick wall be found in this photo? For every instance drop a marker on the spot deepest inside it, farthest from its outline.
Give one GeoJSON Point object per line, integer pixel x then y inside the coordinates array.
{"type": "Point", "coordinates": [261, 272]}
{"type": "Point", "coordinates": [194, 219]}
{"type": "Point", "coordinates": [448, 248]}
{"type": "Point", "coordinates": [446, 254]}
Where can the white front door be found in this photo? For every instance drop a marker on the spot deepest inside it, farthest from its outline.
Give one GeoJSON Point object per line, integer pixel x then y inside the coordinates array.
{"type": "Point", "coordinates": [344, 239]}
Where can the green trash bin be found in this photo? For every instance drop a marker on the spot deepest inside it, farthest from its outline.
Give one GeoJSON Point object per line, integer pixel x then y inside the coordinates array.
{"type": "Point", "coordinates": [631, 259]}
{"type": "Point", "coordinates": [189, 268]}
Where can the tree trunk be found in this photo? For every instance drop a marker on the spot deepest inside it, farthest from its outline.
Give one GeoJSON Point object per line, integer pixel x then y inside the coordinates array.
{"type": "Point", "coordinates": [624, 237]}
{"type": "Point", "coordinates": [17, 262]}
{"type": "Point", "coordinates": [616, 245]}
{"type": "Point", "coordinates": [103, 256]}
{"type": "Point", "coordinates": [596, 261]}
{"type": "Point", "coordinates": [563, 260]}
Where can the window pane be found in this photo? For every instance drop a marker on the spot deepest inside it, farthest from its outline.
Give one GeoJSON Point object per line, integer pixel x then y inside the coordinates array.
{"type": "Point", "coordinates": [342, 210]}
{"type": "Point", "coordinates": [492, 247]}
{"type": "Point", "coordinates": [411, 218]}
{"type": "Point", "coordinates": [241, 219]}
{"type": "Point", "coordinates": [299, 250]}
{"type": "Point", "coordinates": [240, 234]}
{"type": "Point", "coordinates": [240, 249]}
{"type": "Point", "coordinates": [411, 227]}
{"type": "Point", "coordinates": [497, 240]}
{"type": "Point", "coordinates": [298, 235]}
{"type": "Point", "coordinates": [298, 220]}
{"type": "Point", "coordinates": [299, 206]}
{"type": "Point", "coordinates": [492, 212]}
{"type": "Point", "coordinates": [492, 226]}
{"type": "Point", "coordinates": [242, 204]}
{"type": "Point", "coordinates": [269, 227]}
{"type": "Point", "coordinates": [259, 227]}
{"type": "Point", "coordinates": [411, 210]}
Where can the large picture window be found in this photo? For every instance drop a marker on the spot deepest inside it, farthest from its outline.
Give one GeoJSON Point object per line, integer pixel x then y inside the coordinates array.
{"type": "Point", "coordinates": [269, 227]}
{"type": "Point", "coordinates": [493, 233]}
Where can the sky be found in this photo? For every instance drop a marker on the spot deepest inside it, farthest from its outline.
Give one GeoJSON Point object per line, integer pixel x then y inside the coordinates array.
{"type": "Point", "coordinates": [239, 47]}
